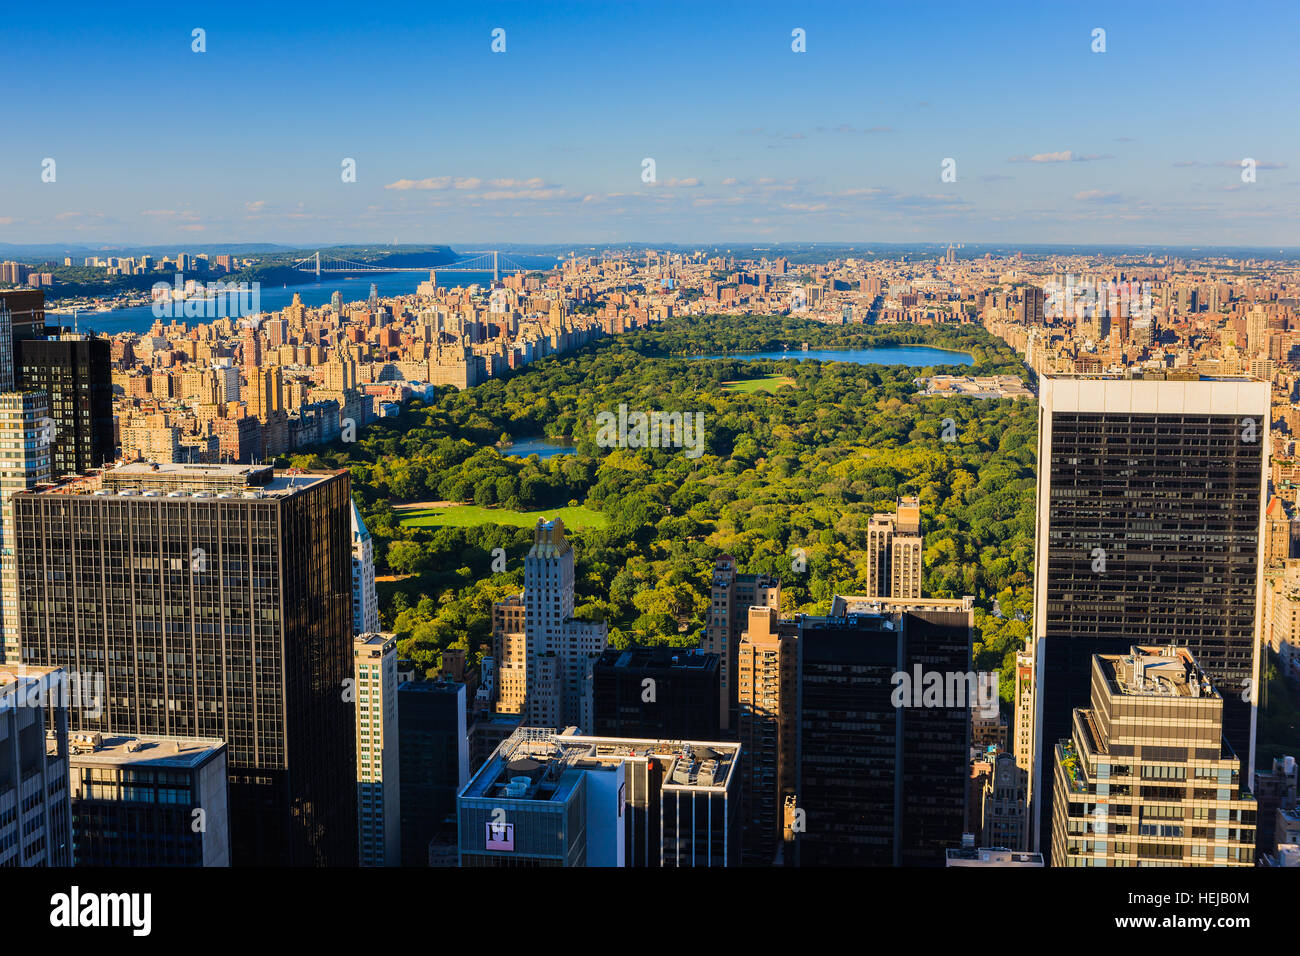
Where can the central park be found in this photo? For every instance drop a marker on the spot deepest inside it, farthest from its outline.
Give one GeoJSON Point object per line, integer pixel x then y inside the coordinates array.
{"type": "Point", "coordinates": [799, 453]}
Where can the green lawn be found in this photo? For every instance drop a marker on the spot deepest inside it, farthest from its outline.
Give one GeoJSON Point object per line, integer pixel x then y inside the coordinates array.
{"type": "Point", "coordinates": [765, 383]}
{"type": "Point", "coordinates": [469, 516]}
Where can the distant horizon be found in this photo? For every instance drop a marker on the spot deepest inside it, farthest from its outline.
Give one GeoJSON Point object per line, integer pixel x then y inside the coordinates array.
{"type": "Point", "coordinates": [868, 245]}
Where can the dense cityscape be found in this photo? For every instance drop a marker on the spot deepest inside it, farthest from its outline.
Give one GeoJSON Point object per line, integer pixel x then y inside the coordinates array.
{"type": "Point", "coordinates": [671, 438]}
{"type": "Point", "coordinates": [164, 535]}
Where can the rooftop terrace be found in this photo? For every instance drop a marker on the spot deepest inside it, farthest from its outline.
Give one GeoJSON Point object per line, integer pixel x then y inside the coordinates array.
{"type": "Point", "coordinates": [539, 764]}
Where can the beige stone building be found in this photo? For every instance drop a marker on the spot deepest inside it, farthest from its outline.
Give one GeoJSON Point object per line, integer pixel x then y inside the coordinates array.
{"type": "Point", "coordinates": [1147, 778]}
{"type": "Point", "coordinates": [767, 689]}
{"type": "Point", "coordinates": [894, 550]}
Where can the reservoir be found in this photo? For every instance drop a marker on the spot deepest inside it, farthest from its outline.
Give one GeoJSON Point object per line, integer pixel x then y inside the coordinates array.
{"type": "Point", "coordinates": [920, 356]}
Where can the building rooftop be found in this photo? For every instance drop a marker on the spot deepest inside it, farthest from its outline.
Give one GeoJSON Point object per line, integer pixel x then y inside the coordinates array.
{"type": "Point", "coordinates": [442, 687]}
{"type": "Point", "coordinates": [1172, 375]}
{"type": "Point", "coordinates": [1156, 672]}
{"type": "Point", "coordinates": [180, 480]}
{"type": "Point", "coordinates": [359, 530]}
{"type": "Point", "coordinates": [688, 764]}
{"type": "Point", "coordinates": [182, 753]}
{"type": "Point", "coordinates": [549, 540]}
{"type": "Point", "coordinates": [13, 679]}
{"type": "Point", "coordinates": [991, 856]}
{"type": "Point", "coordinates": [845, 604]}
{"type": "Point", "coordinates": [537, 763]}
{"type": "Point", "coordinates": [639, 658]}
{"type": "Point", "coordinates": [10, 674]}
{"type": "Point", "coordinates": [1288, 854]}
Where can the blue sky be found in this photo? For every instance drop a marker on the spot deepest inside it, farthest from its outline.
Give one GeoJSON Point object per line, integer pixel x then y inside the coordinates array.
{"type": "Point", "coordinates": [751, 141]}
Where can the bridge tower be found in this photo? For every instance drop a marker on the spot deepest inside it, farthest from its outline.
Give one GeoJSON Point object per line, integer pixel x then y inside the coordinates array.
{"type": "Point", "coordinates": [496, 267]}
{"type": "Point", "coordinates": [318, 265]}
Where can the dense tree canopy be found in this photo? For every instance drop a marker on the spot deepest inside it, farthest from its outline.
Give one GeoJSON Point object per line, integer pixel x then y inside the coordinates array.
{"type": "Point", "coordinates": [803, 468]}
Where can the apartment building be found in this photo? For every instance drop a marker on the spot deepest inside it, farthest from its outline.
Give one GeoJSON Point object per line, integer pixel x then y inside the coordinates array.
{"type": "Point", "coordinates": [731, 595]}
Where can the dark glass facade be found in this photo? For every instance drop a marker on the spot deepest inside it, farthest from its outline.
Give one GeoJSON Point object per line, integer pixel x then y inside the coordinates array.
{"type": "Point", "coordinates": [212, 617]}
{"type": "Point", "coordinates": [26, 308]}
{"type": "Point", "coordinates": [1174, 503]}
{"type": "Point", "coordinates": [430, 719]}
{"type": "Point", "coordinates": [679, 704]}
{"type": "Point", "coordinates": [879, 784]}
{"type": "Point", "coordinates": [77, 376]}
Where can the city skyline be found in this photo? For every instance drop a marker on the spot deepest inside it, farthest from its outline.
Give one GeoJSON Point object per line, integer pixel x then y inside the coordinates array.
{"type": "Point", "coordinates": [591, 435]}
{"type": "Point", "coordinates": [751, 141]}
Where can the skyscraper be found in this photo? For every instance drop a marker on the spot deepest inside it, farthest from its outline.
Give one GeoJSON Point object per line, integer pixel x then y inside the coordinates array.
{"type": "Point", "coordinates": [731, 595]}
{"type": "Point", "coordinates": [548, 799]}
{"type": "Point", "coordinates": [767, 679]}
{"type": "Point", "coordinates": [379, 816]}
{"type": "Point", "coordinates": [1145, 777]}
{"type": "Point", "coordinates": [880, 765]}
{"type": "Point", "coordinates": [1023, 721]}
{"type": "Point", "coordinates": [265, 393]}
{"type": "Point", "coordinates": [557, 652]}
{"type": "Point", "coordinates": [75, 373]}
{"type": "Point", "coordinates": [25, 436]}
{"type": "Point", "coordinates": [1150, 518]}
{"type": "Point", "coordinates": [434, 760]}
{"type": "Point", "coordinates": [660, 692]}
{"type": "Point", "coordinates": [365, 603]}
{"type": "Point", "coordinates": [24, 315]}
{"type": "Point", "coordinates": [510, 652]}
{"type": "Point", "coordinates": [1001, 814]}
{"type": "Point", "coordinates": [215, 600]}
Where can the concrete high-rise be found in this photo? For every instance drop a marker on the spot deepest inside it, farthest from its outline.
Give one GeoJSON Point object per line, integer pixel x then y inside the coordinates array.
{"type": "Point", "coordinates": [149, 801]}
{"type": "Point", "coordinates": [1146, 777]}
{"type": "Point", "coordinates": [379, 815]}
{"type": "Point", "coordinates": [215, 601]}
{"type": "Point", "coordinates": [767, 676]}
{"type": "Point", "coordinates": [1023, 721]}
{"type": "Point", "coordinates": [510, 653]}
{"type": "Point", "coordinates": [548, 799]}
{"type": "Point", "coordinates": [1151, 497]}
{"type": "Point", "coordinates": [35, 809]}
{"type": "Point", "coordinates": [25, 442]}
{"type": "Point", "coordinates": [731, 596]}
{"type": "Point", "coordinates": [1002, 811]}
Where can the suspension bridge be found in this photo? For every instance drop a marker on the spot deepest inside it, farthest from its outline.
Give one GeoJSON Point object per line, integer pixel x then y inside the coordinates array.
{"type": "Point", "coordinates": [491, 261]}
